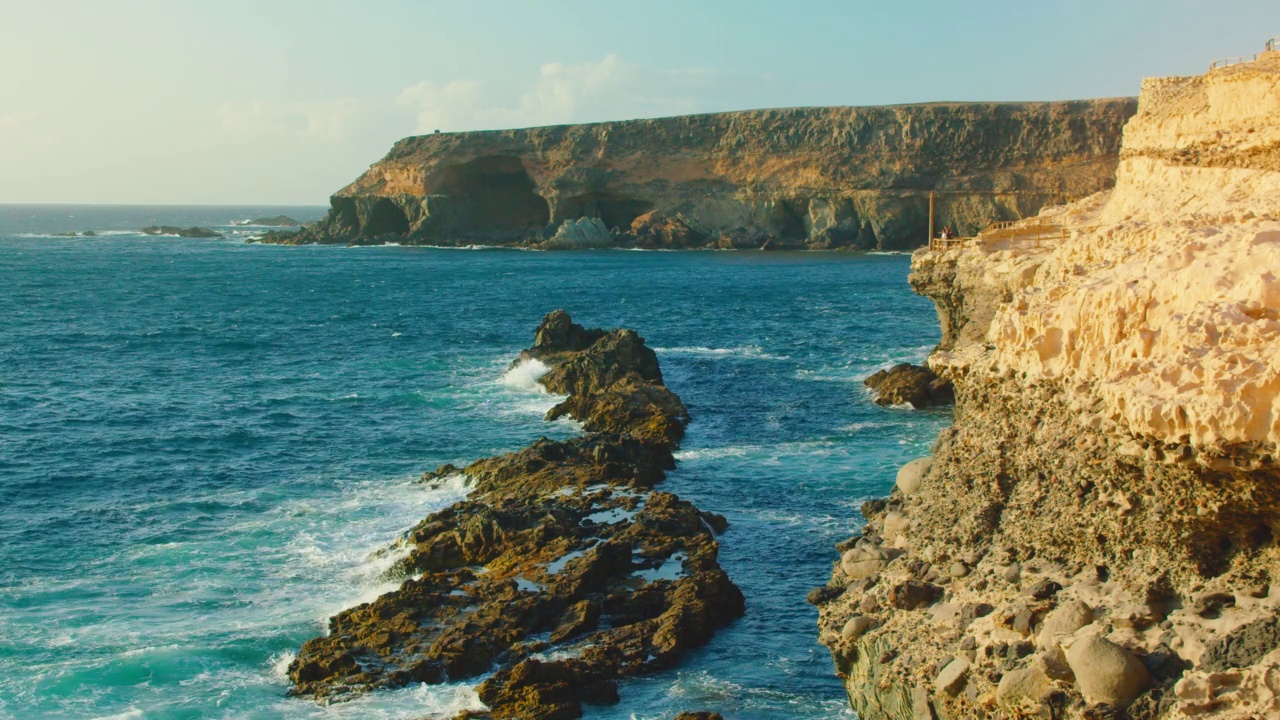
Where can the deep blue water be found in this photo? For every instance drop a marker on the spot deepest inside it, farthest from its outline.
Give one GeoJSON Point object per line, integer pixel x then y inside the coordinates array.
{"type": "Point", "coordinates": [203, 442]}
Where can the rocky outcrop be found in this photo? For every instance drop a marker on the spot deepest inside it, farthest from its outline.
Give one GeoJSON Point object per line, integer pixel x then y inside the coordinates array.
{"type": "Point", "coordinates": [907, 384]}
{"type": "Point", "coordinates": [822, 178]}
{"type": "Point", "coordinates": [563, 571]}
{"type": "Point", "coordinates": [1095, 537]}
{"type": "Point", "coordinates": [191, 232]}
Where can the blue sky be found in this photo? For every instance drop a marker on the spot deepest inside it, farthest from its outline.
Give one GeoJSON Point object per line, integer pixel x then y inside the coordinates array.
{"type": "Point", "coordinates": [285, 101]}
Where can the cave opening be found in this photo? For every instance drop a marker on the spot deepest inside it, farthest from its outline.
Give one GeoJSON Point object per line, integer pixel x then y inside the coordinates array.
{"type": "Point", "coordinates": [386, 218]}
{"type": "Point", "coordinates": [616, 212]}
{"type": "Point", "coordinates": [493, 195]}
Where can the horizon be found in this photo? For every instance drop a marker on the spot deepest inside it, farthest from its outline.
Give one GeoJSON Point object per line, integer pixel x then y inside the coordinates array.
{"type": "Point", "coordinates": [146, 104]}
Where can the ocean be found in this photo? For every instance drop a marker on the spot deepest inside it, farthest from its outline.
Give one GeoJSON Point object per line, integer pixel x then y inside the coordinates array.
{"type": "Point", "coordinates": [205, 443]}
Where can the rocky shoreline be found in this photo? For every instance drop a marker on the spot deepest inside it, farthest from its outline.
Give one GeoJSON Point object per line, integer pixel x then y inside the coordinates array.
{"type": "Point", "coordinates": [563, 571]}
{"type": "Point", "coordinates": [1095, 536]}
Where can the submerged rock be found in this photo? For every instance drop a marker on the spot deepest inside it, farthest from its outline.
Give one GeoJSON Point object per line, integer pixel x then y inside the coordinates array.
{"type": "Point", "coordinates": [564, 568]}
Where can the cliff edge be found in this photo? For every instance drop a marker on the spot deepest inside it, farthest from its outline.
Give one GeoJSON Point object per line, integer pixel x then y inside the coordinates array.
{"type": "Point", "coordinates": [1095, 537]}
{"type": "Point", "coordinates": [835, 177]}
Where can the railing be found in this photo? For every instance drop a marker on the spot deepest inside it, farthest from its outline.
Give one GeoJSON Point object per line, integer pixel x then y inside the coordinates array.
{"type": "Point", "coordinates": [1035, 229]}
{"type": "Point", "coordinates": [1232, 61]}
{"type": "Point", "coordinates": [1270, 46]}
{"type": "Point", "coordinates": [939, 244]}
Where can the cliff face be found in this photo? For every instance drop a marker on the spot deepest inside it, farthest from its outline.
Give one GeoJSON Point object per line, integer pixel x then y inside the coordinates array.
{"type": "Point", "coordinates": [811, 177]}
{"type": "Point", "coordinates": [1095, 535]}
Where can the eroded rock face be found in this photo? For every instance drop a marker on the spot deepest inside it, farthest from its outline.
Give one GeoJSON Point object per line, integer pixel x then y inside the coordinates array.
{"type": "Point", "coordinates": [564, 568]}
{"type": "Point", "coordinates": [1101, 518]}
{"type": "Point", "coordinates": [816, 178]}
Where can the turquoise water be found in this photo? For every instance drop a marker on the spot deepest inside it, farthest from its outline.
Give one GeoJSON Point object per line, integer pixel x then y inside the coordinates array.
{"type": "Point", "coordinates": [204, 443]}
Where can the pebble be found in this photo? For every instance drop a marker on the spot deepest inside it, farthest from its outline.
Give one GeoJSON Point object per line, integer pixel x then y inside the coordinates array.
{"type": "Point", "coordinates": [959, 570]}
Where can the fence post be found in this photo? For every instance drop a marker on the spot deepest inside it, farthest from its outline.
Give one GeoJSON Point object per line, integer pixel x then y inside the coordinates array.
{"type": "Point", "coordinates": [931, 195]}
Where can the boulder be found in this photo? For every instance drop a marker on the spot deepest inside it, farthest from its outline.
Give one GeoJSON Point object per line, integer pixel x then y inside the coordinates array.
{"type": "Point", "coordinates": [910, 384]}
{"type": "Point", "coordinates": [1065, 620]}
{"type": "Point", "coordinates": [895, 524]}
{"type": "Point", "coordinates": [855, 627]}
{"type": "Point", "coordinates": [911, 475]}
{"type": "Point", "coordinates": [865, 561]}
{"type": "Point", "coordinates": [1022, 688]}
{"type": "Point", "coordinates": [1107, 673]}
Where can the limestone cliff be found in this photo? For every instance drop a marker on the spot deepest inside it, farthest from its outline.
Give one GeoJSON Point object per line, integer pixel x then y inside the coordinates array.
{"type": "Point", "coordinates": [1096, 535]}
{"type": "Point", "coordinates": [807, 177]}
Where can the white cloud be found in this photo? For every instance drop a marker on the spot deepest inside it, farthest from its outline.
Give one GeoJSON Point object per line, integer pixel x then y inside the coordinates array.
{"type": "Point", "coordinates": [323, 121]}
{"type": "Point", "coordinates": [608, 89]}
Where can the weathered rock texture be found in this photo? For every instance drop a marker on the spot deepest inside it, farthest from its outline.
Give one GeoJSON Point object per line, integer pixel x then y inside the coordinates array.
{"type": "Point", "coordinates": [807, 177]}
{"type": "Point", "coordinates": [563, 571]}
{"type": "Point", "coordinates": [1095, 537]}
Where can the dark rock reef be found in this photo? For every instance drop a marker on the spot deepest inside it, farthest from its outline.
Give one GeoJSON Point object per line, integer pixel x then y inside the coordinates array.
{"type": "Point", "coordinates": [191, 232]}
{"type": "Point", "coordinates": [799, 178]}
{"type": "Point", "coordinates": [563, 571]}
{"type": "Point", "coordinates": [910, 384]}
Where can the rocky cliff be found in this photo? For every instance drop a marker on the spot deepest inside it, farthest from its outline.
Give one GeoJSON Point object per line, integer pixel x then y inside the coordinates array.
{"type": "Point", "coordinates": [808, 177]}
{"type": "Point", "coordinates": [1095, 537]}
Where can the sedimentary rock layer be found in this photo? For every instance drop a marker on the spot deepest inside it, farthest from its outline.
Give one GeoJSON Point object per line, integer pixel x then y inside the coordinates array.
{"type": "Point", "coordinates": [806, 177]}
{"type": "Point", "coordinates": [1095, 535]}
{"type": "Point", "coordinates": [564, 569]}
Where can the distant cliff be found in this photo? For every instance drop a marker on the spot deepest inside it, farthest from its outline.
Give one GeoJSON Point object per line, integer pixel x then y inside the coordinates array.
{"type": "Point", "coordinates": [808, 177]}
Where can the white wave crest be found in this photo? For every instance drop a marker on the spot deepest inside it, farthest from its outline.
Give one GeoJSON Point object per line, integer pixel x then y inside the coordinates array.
{"type": "Point", "coordinates": [754, 352]}
{"type": "Point", "coordinates": [525, 374]}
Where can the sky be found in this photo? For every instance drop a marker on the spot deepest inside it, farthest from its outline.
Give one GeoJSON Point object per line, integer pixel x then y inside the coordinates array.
{"type": "Point", "coordinates": [286, 101]}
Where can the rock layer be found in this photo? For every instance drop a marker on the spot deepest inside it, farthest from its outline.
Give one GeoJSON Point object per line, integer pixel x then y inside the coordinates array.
{"type": "Point", "coordinates": [1100, 521]}
{"type": "Point", "coordinates": [806, 177]}
{"type": "Point", "coordinates": [564, 569]}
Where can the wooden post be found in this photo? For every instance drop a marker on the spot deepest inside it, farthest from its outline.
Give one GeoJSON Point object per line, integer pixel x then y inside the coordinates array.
{"type": "Point", "coordinates": [931, 193]}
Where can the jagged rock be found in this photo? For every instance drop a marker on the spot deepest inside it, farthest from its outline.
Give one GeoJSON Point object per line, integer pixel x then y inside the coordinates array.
{"type": "Point", "coordinates": [550, 541]}
{"type": "Point", "coordinates": [950, 680]}
{"type": "Point", "coordinates": [658, 229]}
{"type": "Point", "coordinates": [1242, 647]}
{"type": "Point", "coordinates": [700, 715]}
{"type": "Point", "coordinates": [906, 383]}
{"type": "Point", "coordinates": [1107, 673]}
{"type": "Point", "coordinates": [914, 594]}
{"type": "Point", "coordinates": [580, 234]}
